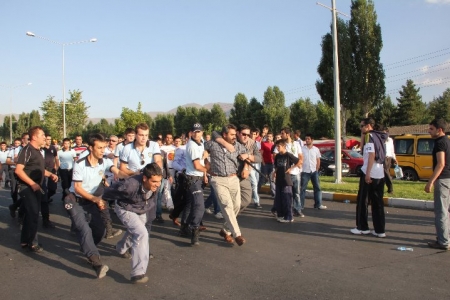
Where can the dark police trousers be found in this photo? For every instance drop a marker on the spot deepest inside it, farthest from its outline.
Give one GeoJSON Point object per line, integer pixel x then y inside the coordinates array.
{"type": "Point", "coordinates": [31, 204]}
{"type": "Point", "coordinates": [90, 228]}
{"type": "Point", "coordinates": [195, 203]}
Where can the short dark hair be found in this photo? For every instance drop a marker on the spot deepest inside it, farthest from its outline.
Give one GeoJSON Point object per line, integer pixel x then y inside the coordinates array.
{"type": "Point", "coordinates": [243, 127]}
{"type": "Point", "coordinates": [129, 130]}
{"type": "Point", "coordinates": [368, 121]}
{"type": "Point", "coordinates": [256, 130]}
{"type": "Point", "coordinates": [287, 130]}
{"type": "Point", "coordinates": [3, 142]}
{"type": "Point", "coordinates": [281, 142]}
{"type": "Point", "coordinates": [226, 128]}
{"type": "Point", "coordinates": [266, 126]}
{"type": "Point", "coordinates": [309, 135]}
{"type": "Point", "coordinates": [96, 137]}
{"type": "Point", "coordinates": [152, 169]}
{"type": "Point", "coordinates": [18, 140]}
{"type": "Point", "coordinates": [439, 123]}
{"type": "Point", "coordinates": [66, 140]}
{"type": "Point", "coordinates": [32, 131]}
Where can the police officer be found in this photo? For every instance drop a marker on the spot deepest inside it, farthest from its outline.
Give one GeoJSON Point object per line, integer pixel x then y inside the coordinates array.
{"type": "Point", "coordinates": [86, 189]}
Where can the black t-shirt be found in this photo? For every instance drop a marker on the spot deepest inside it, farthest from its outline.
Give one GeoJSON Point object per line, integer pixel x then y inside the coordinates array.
{"type": "Point", "coordinates": [34, 163]}
{"type": "Point", "coordinates": [50, 154]}
{"type": "Point", "coordinates": [282, 163]}
{"type": "Point", "coordinates": [442, 144]}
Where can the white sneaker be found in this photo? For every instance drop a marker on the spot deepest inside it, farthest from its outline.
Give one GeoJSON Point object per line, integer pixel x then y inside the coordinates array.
{"type": "Point", "coordinates": [281, 220]}
{"type": "Point", "coordinates": [208, 211]}
{"type": "Point", "coordinates": [322, 207]}
{"type": "Point", "coordinates": [357, 231]}
{"type": "Point", "coordinates": [218, 215]}
{"type": "Point", "coordinates": [380, 235]}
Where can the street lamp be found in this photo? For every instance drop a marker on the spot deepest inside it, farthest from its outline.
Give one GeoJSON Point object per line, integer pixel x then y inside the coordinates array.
{"type": "Point", "coordinates": [11, 88]}
{"type": "Point", "coordinates": [93, 40]}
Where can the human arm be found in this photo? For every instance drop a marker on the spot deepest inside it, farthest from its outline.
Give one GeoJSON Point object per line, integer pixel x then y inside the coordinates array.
{"type": "Point", "coordinates": [215, 136]}
{"type": "Point", "coordinates": [20, 172]}
{"type": "Point", "coordinates": [440, 157]}
{"type": "Point", "coordinates": [79, 190]}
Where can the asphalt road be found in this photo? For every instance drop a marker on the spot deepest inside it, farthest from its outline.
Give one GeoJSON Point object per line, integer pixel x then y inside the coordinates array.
{"type": "Point", "coordinates": [314, 257]}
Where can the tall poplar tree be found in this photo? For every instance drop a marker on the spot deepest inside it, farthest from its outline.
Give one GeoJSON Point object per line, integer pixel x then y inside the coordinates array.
{"type": "Point", "coordinates": [410, 109]}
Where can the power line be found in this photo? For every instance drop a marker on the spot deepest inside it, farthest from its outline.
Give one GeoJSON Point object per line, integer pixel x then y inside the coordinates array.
{"type": "Point", "coordinates": [417, 61]}
{"type": "Point", "coordinates": [398, 62]}
{"type": "Point", "coordinates": [420, 69]}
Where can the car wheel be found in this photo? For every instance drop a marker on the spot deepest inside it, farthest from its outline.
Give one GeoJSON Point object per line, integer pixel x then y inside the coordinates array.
{"type": "Point", "coordinates": [410, 175]}
{"type": "Point", "coordinates": [358, 170]}
{"type": "Point", "coordinates": [322, 172]}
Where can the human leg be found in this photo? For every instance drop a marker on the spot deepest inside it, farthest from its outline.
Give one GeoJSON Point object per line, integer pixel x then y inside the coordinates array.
{"type": "Point", "coordinates": [441, 210]}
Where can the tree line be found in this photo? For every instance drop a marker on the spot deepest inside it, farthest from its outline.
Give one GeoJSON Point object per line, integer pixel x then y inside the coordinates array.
{"type": "Point", "coordinates": [362, 94]}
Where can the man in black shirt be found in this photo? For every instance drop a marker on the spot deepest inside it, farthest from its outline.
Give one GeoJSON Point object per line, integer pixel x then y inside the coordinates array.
{"type": "Point", "coordinates": [49, 186]}
{"type": "Point", "coordinates": [441, 181]}
{"type": "Point", "coordinates": [30, 171]}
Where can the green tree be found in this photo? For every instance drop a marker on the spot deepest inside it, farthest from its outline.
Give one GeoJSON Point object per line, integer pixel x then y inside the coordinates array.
{"type": "Point", "coordinates": [76, 113]}
{"type": "Point", "coordinates": [274, 111]}
{"type": "Point", "coordinates": [218, 118]}
{"type": "Point", "coordinates": [6, 128]}
{"type": "Point", "coordinates": [185, 117]}
{"type": "Point", "coordinates": [365, 35]}
{"type": "Point", "coordinates": [410, 109]}
{"type": "Point", "coordinates": [130, 118]}
{"type": "Point", "coordinates": [303, 115]}
{"type": "Point", "coordinates": [164, 124]}
{"type": "Point", "coordinates": [325, 86]}
{"type": "Point", "coordinates": [385, 112]}
{"type": "Point", "coordinates": [440, 107]}
{"type": "Point", "coordinates": [35, 118]}
{"type": "Point", "coordinates": [238, 114]}
{"type": "Point", "coordinates": [52, 117]}
{"type": "Point", "coordinates": [324, 126]}
{"type": "Point", "coordinates": [255, 117]}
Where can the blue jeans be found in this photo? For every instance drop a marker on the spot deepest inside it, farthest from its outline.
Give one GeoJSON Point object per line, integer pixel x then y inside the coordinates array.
{"type": "Point", "coordinates": [254, 177]}
{"type": "Point", "coordinates": [195, 204]}
{"type": "Point", "coordinates": [441, 207]}
{"type": "Point", "coordinates": [266, 169]}
{"type": "Point", "coordinates": [314, 176]}
{"type": "Point", "coordinates": [298, 206]}
{"type": "Point", "coordinates": [212, 199]}
{"type": "Point", "coordinates": [136, 237]}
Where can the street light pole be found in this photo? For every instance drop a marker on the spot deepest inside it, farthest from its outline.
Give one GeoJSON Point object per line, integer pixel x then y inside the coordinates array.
{"type": "Point", "coordinates": [11, 88]}
{"type": "Point", "coordinates": [93, 40]}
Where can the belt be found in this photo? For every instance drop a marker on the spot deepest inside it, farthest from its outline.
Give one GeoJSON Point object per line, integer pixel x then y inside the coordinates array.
{"type": "Point", "coordinates": [194, 177]}
{"type": "Point", "coordinates": [228, 175]}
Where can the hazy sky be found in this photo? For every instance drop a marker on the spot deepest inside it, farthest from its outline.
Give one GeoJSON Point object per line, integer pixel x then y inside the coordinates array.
{"type": "Point", "coordinates": [169, 53]}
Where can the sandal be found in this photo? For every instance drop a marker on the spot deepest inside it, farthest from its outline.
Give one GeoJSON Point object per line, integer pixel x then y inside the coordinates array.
{"type": "Point", "coordinates": [24, 245]}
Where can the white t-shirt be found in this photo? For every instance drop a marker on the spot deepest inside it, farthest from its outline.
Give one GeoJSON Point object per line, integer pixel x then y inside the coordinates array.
{"type": "Point", "coordinates": [377, 171]}
{"type": "Point", "coordinates": [169, 151]}
{"type": "Point", "coordinates": [310, 157]}
{"type": "Point", "coordinates": [295, 149]}
{"type": "Point", "coordinates": [66, 159]}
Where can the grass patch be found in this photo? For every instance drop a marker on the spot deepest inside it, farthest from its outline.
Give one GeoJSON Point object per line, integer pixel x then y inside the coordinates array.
{"type": "Point", "coordinates": [402, 189]}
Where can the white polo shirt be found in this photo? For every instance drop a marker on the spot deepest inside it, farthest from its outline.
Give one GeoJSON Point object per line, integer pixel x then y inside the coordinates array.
{"type": "Point", "coordinates": [310, 157]}
{"type": "Point", "coordinates": [89, 176]}
{"type": "Point", "coordinates": [3, 156]}
{"type": "Point", "coordinates": [194, 151]}
{"type": "Point", "coordinates": [131, 156]}
{"type": "Point", "coordinates": [377, 171]}
{"type": "Point", "coordinates": [14, 152]}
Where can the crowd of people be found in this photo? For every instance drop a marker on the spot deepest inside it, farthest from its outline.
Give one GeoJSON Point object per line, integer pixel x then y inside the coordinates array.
{"type": "Point", "coordinates": [137, 178]}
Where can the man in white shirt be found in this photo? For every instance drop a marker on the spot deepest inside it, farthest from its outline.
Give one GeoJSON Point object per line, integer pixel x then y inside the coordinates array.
{"type": "Point", "coordinates": [66, 159]}
{"type": "Point", "coordinates": [371, 183]}
{"type": "Point", "coordinates": [310, 171]}
{"type": "Point", "coordinates": [388, 161]}
{"type": "Point", "coordinates": [3, 165]}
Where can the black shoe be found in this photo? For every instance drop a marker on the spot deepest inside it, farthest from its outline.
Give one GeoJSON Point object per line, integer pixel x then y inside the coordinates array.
{"type": "Point", "coordinates": [113, 233]}
{"type": "Point", "coordinates": [296, 213]}
{"type": "Point", "coordinates": [50, 200]}
{"type": "Point", "coordinates": [126, 255]}
{"type": "Point", "coordinates": [48, 224]}
{"type": "Point", "coordinates": [159, 219]}
{"type": "Point", "coordinates": [195, 234]}
{"type": "Point", "coordinates": [258, 206]}
{"type": "Point", "coordinates": [101, 270]}
{"type": "Point", "coordinates": [436, 245]}
{"type": "Point", "coordinates": [184, 231]}
{"type": "Point", "coordinates": [12, 211]}
{"type": "Point", "coordinates": [139, 279]}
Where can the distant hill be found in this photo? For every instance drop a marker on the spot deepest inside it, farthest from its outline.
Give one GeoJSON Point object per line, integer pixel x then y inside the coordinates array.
{"type": "Point", "coordinates": [226, 107]}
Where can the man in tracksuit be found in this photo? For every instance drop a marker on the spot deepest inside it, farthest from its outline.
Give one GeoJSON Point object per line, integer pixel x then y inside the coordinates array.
{"type": "Point", "coordinates": [135, 200]}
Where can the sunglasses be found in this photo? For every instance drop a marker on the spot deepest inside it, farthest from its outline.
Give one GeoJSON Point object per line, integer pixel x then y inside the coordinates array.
{"type": "Point", "coordinates": [245, 134]}
{"type": "Point", "coordinates": [142, 159]}
{"type": "Point", "coordinates": [112, 141]}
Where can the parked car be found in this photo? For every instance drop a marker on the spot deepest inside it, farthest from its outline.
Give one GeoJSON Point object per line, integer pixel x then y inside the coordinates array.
{"type": "Point", "coordinates": [327, 167]}
{"type": "Point", "coordinates": [352, 158]}
{"type": "Point", "coordinates": [414, 156]}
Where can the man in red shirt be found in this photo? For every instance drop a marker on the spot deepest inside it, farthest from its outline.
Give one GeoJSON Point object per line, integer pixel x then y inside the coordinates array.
{"type": "Point", "coordinates": [267, 157]}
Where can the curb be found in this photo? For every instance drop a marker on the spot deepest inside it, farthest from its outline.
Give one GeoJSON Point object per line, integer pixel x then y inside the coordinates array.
{"type": "Point", "coordinates": [390, 202]}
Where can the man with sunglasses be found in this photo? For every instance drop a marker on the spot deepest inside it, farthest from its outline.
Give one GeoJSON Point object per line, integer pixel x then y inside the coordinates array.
{"type": "Point", "coordinates": [49, 186]}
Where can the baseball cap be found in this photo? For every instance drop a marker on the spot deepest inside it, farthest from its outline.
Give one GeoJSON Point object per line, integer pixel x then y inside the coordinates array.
{"type": "Point", "coordinates": [197, 127]}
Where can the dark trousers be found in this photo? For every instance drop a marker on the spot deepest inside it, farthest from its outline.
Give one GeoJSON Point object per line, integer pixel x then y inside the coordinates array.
{"type": "Point", "coordinates": [195, 204]}
{"type": "Point", "coordinates": [179, 199]}
{"type": "Point", "coordinates": [66, 180]}
{"type": "Point", "coordinates": [370, 193]}
{"type": "Point", "coordinates": [49, 187]}
{"type": "Point", "coordinates": [283, 202]}
{"type": "Point", "coordinates": [31, 204]}
{"type": "Point", "coordinates": [14, 188]}
{"type": "Point", "coordinates": [90, 228]}
{"type": "Point", "coordinates": [387, 175]}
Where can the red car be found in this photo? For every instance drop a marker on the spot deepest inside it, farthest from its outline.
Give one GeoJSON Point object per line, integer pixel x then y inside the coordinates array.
{"type": "Point", "coordinates": [352, 158]}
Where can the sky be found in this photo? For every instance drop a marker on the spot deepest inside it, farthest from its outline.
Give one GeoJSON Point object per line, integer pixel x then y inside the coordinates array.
{"type": "Point", "coordinates": [170, 53]}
